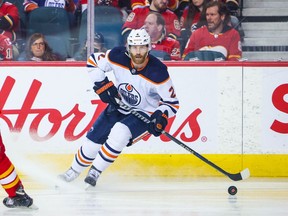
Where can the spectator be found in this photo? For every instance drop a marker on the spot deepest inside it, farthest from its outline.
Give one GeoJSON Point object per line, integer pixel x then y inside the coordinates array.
{"type": "Point", "coordinates": [9, 20]}
{"type": "Point", "coordinates": [6, 49]}
{"type": "Point", "coordinates": [189, 19]}
{"type": "Point", "coordinates": [11, 182]}
{"type": "Point", "coordinates": [99, 46]}
{"type": "Point", "coordinates": [30, 5]}
{"type": "Point", "coordinates": [216, 35]}
{"type": "Point", "coordinates": [37, 49]}
{"type": "Point", "coordinates": [155, 27]}
{"type": "Point", "coordinates": [136, 18]}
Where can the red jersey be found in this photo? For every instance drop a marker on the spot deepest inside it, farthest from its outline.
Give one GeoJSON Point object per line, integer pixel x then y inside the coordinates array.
{"type": "Point", "coordinates": [9, 20]}
{"type": "Point", "coordinates": [184, 17]}
{"type": "Point", "coordinates": [137, 17]}
{"type": "Point", "coordinates": [6, 53]}
{"type": "Point", "coordinates": [228, 42]}
{"type": "Point", "coordinates": [170, 46]}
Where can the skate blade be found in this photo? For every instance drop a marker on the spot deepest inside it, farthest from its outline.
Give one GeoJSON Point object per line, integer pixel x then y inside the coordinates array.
{"type": "Point", "coordinates": [88, 187]}
{"type": "Point", "coordinates": [33, 207]}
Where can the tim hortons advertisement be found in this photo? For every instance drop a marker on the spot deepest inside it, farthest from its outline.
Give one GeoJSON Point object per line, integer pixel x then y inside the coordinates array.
{"type": "Point", "coordinates": [265, 105]}
{"type": "Point", "coordinates": [50, 109]}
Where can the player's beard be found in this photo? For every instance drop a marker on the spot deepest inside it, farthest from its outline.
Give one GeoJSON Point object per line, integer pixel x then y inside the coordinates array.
{"type": "Point", "coordinates": [138, 59]}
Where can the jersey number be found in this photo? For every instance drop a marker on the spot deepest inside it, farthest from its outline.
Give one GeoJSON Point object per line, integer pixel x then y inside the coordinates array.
{"type": "Point", "coordinates": [172, 91]}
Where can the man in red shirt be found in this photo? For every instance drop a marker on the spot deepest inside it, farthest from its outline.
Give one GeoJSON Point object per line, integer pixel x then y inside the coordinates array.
{"type": "Point", "coordinates": [155, 27]}
{"type": "Point", "coordinates": [136, 18]}
{"type": "Point", "coordinates": [9, 19]}
{"type": "Point", "coordinates": [216, 35]}
{"type": "Point", "coordinates": [6, 50]}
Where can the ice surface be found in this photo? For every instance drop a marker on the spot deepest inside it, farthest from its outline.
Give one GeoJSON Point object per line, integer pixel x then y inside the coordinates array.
{"type": "Point", "coordinates": [119, 195]}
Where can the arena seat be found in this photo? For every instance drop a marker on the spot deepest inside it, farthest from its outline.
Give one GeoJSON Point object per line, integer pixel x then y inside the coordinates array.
{"type": "Point", "coordinates": [204, 55]}
{"type": "Point", "coordinates": [108, 21]}
{"type": "Point", "coordinates": [54, 23]}
{"type": "Point", "coordinates": [161, 55]}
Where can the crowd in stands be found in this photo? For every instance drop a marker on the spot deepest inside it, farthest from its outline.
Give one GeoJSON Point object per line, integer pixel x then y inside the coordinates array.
{"type": "Point", "coordinates": [177, 28]}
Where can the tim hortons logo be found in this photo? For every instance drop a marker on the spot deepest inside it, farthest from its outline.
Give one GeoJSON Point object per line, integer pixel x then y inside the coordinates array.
{"type": "Point", "coordinates": [75, 116]}
{"type": "Point", "coordinates": [278, 100]}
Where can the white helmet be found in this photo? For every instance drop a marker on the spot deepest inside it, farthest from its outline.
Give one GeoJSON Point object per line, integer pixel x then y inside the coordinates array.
{"type": "Point", "coordinates": [138, 37]}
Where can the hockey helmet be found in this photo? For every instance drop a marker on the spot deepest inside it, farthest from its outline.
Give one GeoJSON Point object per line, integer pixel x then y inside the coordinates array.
{"type": "Point", "coordinates": [139, 37]}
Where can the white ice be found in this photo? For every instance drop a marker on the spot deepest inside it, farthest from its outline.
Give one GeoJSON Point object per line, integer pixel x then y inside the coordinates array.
{"type": "Point", "coordinates": [139, 196]}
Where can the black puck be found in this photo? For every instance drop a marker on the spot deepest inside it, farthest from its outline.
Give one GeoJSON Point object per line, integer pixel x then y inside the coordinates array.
{"type": "Point", "coordinates": [232, 190]}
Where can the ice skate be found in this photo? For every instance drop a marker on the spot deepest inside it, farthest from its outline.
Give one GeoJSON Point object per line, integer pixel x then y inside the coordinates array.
{"type": "Point", "coordinates": [69, 175]}
{"type": "Point", "coordinates": [20, 200]}
{"type": "Point", "coordinates": [92, 177]}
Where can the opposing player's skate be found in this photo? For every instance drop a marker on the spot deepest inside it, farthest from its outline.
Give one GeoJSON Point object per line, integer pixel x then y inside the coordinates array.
{"type": "Point", "coordinates": [69, 175]}
{"type": "Point", "coordinates": [20, 200]}
{"type": "Point", "coordinates": [92, 177]}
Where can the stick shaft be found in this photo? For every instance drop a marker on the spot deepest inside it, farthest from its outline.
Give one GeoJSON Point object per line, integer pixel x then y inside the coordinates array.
{"type": "Point", "coordinates": [232, 176]}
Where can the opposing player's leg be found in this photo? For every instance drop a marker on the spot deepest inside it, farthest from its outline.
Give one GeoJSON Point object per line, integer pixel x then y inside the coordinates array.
{"type": "Point", "coordinates": [21, 199]}
{"type": "Point", "coordinates": [11, 182]}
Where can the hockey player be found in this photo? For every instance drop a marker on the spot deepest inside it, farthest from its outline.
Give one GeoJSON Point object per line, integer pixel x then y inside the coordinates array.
{"type": "Point", "coordinates": [11, 182]}
{"type": "Point", "coordinates": [142, 82]}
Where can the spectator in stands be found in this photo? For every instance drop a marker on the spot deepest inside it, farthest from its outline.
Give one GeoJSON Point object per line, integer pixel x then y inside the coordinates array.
{"type": "Point", "coordinates": [136, 18]}
{"type": "Point", "coordinates": [30, 5]}
{"type": "Point", "coordinates": [37, 49]}
{"type": "Point", "coordinates": [6, 49]}
{"type": "Point", "coordinates": [99, 46]}
{"type": "Point", "coordinates": [189, 19]}
{"type": "Point", "coordinates": [155, 27]}
{"type": "Point", "coordinates": [216, 35]}
{"type": "Point", "coordinates": [9, 19]}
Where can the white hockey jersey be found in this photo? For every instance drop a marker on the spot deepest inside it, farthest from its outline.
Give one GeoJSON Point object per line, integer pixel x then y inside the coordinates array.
{"type": "Point", "coordinates": [145, 90]}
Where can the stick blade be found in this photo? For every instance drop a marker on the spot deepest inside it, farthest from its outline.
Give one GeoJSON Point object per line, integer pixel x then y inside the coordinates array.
{"type": "Point", "coordinates": [244, 174]}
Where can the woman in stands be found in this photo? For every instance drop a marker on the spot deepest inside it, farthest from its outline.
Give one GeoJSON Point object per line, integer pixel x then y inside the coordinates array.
{"type": "Point", "coordinates": [37, 49]}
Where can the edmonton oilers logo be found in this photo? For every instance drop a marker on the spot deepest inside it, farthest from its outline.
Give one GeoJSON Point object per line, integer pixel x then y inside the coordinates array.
{"type": "Point", "coordinates": [130, 94]}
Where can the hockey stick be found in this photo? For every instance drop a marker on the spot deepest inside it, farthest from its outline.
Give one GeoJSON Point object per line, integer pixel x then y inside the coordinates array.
{"type": "Point", "coordinates": [244, 174]}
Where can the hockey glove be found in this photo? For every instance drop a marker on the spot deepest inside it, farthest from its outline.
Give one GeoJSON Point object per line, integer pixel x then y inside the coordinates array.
{"type": "Point", "coordinates": [107, 92]}
{"type": "Point", "coordinates": [158, 122]}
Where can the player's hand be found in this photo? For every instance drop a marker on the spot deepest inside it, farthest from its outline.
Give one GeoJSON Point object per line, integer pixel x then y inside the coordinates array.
{"type": "Point", "coordinates": [107, 92]}
{"type": "Point", "coordinates": [158, 122]}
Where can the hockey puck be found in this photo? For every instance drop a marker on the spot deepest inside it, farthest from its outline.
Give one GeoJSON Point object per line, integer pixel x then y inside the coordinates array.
{"type": "Point", "coordinates": [232, 190]}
